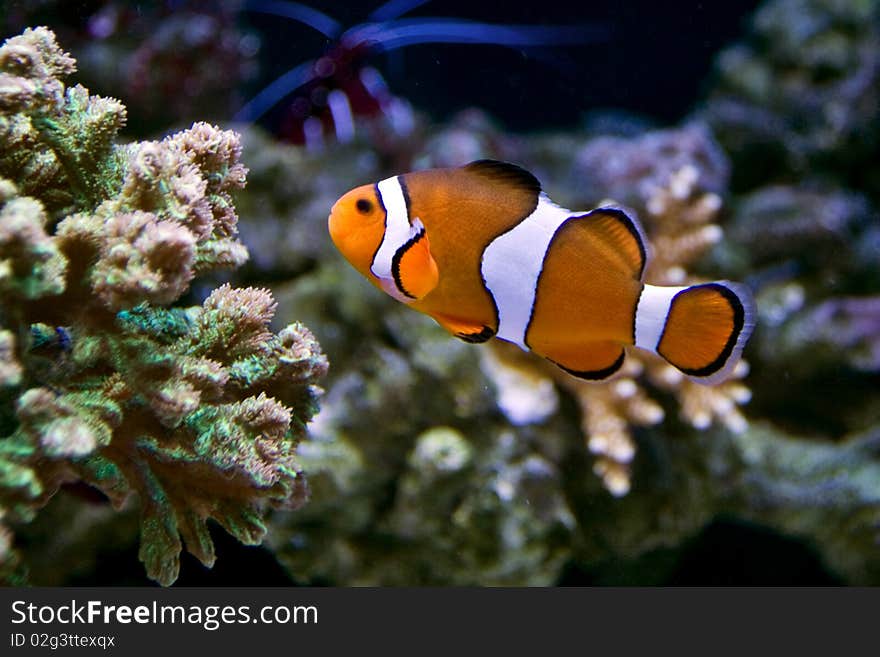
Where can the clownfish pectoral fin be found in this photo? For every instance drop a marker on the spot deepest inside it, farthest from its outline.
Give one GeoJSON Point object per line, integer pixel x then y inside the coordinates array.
{"type": "Point", "coordinates": [413, 267]}
{"type": "Point", "coordinates": [701, 329]}
{"type": "Point", "coordinates": [619, 235]}
{"type": "Point", "coordinates": [463, 330]}
{"type": "Point", "coordinates": [593, 361]}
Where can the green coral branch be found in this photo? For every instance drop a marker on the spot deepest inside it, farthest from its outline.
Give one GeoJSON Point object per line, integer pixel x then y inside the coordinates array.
{"type": "Point", "coordinates": [71, 130]}
{"type": "Point", "coordinates": [105, 382]}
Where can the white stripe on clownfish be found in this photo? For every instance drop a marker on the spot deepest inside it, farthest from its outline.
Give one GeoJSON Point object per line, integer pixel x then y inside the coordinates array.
{"type": "Point", "coordinates": [652, 310]}
{"type": "Point", "coordinates": [399, 230]}
{"type": "Point", "coordinates": [512, 265]}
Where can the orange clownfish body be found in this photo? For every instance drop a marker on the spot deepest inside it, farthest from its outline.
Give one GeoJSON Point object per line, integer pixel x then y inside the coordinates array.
{"type": "Point", "coordinates": [486, 253]}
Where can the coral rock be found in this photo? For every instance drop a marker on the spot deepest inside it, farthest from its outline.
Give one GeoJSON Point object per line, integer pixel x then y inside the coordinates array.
{"type": "Point", "coordinates": [198, 411]}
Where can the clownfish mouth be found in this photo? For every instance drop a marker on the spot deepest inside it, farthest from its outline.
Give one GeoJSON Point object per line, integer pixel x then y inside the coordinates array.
{"type": "Point", "coordinates": [333, 226]}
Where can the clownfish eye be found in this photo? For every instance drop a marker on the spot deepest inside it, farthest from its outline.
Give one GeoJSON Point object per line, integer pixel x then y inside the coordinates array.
{"type": "Point", "coordinates": [364, 206]}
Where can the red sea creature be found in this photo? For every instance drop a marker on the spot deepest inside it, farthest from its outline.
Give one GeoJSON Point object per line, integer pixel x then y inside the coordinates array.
{"type": "Point", "coordinates": [328, 95]}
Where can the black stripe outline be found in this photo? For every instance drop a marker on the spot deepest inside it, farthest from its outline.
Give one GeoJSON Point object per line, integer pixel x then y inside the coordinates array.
{"type": "Point", "coordinates": [384, 224]}
{"type": "Point", "coordinates": [631, 226]}
{"type": "Point", "coordinates": [398, 255]}
{"type": "Point", "coordinates": [595, 375]}
{"type": "Point", "coordinates": [406, 199]}
{"type": "Point", "coordinates": [738, 323]}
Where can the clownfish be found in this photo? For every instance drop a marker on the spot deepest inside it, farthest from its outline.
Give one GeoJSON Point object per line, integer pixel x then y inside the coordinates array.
{"type": "Point", "coordinates": [484, 252]}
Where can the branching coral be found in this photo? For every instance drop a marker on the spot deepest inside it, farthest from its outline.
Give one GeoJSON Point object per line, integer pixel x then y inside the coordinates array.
{"type": "Point", "coordinates": [679, 216]}
{"type": "Point", "coordinates": [197, 410]}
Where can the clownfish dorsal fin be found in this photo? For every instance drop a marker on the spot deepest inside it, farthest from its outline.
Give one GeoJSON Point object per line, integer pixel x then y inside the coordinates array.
{"type": "Point", "coordinates": [505, 174]}
{"type": "Point", "coordinates": [617, 233]}
{"type": "Point", "coordinates": [413, 267]}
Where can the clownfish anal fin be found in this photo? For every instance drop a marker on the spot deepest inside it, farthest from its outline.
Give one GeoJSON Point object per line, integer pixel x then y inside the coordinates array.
{"type": "Point", "coordinates": [472, 332]}
{"type": "Point", "coordinates": [593, 361]}
{"type": "Point", "coordinates": [619, 235]}
{"type": "Point", "coordinates": [506, 175]}
{"type": "Point", "coordinates": [413, 267]}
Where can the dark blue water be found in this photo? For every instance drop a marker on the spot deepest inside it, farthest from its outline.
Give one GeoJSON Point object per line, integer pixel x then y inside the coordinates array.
{"type": "Point", "coordinates": [648, 58]}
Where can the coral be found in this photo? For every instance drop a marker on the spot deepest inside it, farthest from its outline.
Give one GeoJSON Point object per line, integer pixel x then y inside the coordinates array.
{"type": "Point", "coordinates": [825, 237]}
{"type": "Point", "coordinates": [827, 346]}
{"type": "Point", "coordinates": [634, 170]}
{"type": "Point", "coordinates": [197, 57]}
{"type": "Point", "coordinates": [519, 544]}
{"type": "Point", "coordinates": [10, 368]}
{"type": "Point", "coordinates": [797, 486]}
{"type": "Point", "coordinates": [840, 330]}
{"type": "Point", "coordinates": [198, 410]}
{"type": "Point", "coordinates": [470, 135]}
{"type": "Point", "coordinates": [608, 412]}
{"type": "Point", "coordinates": [851, 326]}
{"type": "Point", "coordinates": [170, 63]}
{"type": "Point", "coordinates": [809, 250]}
{"type": "Point", "coordinates": [801, 92]}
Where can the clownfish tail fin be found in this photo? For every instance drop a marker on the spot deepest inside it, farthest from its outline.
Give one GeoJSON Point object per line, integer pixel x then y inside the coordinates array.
{"type": "Point", "coordinates": [699, 329]}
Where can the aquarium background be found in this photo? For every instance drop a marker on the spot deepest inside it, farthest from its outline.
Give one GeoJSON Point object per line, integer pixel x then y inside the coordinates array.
{"type": "Point", "coordinates": [434, 462]}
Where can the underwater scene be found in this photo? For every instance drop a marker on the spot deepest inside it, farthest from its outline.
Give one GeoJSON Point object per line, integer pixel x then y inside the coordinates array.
{"type": "Point", "coordinates": [435, 293]}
